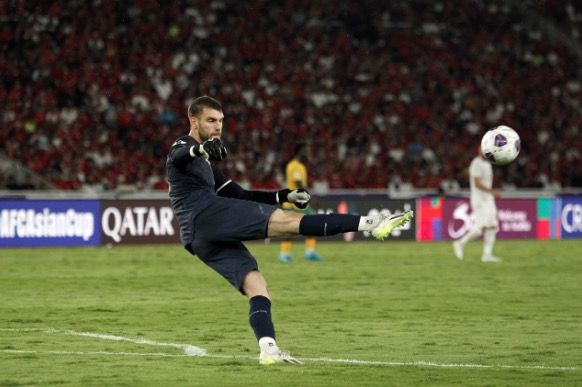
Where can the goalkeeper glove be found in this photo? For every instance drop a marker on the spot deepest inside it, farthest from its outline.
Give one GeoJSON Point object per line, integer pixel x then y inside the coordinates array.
{"type": "Point", "coordinates": [212, 148]}
{"type": "Point", "coordinates": [299, 197]}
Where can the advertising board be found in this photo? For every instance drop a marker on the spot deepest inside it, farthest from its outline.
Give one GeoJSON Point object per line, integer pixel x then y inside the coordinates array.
{"type": "Point", "coordinates": [517, 218]}
{"type": "Point", "coordinates": [138, 222]}
{"type": "Point", "coordinates": [36, 223]}
{"type": "Point", "coordinates": [571, 217]}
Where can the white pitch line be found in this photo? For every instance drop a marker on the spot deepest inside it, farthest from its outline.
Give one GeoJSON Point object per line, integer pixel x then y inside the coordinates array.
{"type": "Point", "coordinates": [188, 349]}
{"type": "Point", "coordinates": [314, 360]}
{"type": "Point", "coordinates": [434, 364]}
{"type": "Point", "coordinates": [191, 350]}
{"type": "Point", "coordinates": [33, 352]}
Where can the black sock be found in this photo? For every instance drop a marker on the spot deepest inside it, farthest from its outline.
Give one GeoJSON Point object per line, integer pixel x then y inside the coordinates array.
{"type": "Point", "coordinates": [331, 224]}
{"type": "Point", "coordinates": [260, 317]}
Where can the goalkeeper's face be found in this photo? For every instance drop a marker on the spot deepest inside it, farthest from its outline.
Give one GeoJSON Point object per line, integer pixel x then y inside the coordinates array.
{"type": "Point", "coordinates": [208, 124]}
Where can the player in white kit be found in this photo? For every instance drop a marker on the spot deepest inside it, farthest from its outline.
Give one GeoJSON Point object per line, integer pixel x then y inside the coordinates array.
{"type": "Point", "coordinates": [484, 210]}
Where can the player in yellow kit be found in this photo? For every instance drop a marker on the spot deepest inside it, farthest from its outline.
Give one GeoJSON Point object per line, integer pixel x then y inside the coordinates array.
{"type": "Point", "coordinates": [296, 175]}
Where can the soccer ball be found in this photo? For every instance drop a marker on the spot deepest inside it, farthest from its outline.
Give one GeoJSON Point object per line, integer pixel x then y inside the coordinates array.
{"type": "Point", "coordinates": [500, 145]}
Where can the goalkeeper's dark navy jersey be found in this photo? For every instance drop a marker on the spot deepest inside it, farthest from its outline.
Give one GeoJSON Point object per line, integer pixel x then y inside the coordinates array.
{"type": "Point", "coordinates": [193, 181]}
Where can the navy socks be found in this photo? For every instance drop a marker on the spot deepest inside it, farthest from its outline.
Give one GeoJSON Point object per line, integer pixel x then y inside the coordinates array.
{"type": "Point", "coordinates": [331, 224]}
{"type": "Point", "coordinates": [260, 317]}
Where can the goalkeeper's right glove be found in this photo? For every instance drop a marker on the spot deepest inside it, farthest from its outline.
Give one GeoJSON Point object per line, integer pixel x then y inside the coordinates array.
{"type": "Point", "coordinates": [212, 148]}
{"type": "Point", "coordinates": [299, 197]}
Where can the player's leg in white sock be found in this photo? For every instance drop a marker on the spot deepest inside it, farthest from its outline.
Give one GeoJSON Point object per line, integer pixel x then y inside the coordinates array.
{"type": "Point", "coordinates": [468, 237]}
{"type": "Point", "coordinates": [368, 223]}
{"type": "Point", "coordinates": [459, 245]}
{"type": "Point", "coordinates": [488, 242]}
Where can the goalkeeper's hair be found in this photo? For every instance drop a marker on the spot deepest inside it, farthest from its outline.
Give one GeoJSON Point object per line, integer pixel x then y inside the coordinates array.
{"type": "Point", "coordinates": [200, 103]}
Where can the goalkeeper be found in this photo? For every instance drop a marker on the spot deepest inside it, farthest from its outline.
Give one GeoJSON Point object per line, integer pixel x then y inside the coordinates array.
{"type": "Point", "coordinates": [216, 214]}
{"type": "Point", "coordinates": [296, 174]}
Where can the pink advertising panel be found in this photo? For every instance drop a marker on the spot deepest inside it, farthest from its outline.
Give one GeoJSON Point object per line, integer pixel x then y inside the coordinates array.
{"type": "Point", "coordinates": [517, 218]}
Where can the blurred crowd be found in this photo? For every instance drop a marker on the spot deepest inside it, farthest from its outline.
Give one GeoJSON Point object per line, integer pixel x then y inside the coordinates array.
{"type": "Point", "coordinates": [395, 93]}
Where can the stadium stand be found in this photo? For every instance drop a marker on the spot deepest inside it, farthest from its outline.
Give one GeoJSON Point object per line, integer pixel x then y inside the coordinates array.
{"type": "Point", "coordinates": [391, 94]}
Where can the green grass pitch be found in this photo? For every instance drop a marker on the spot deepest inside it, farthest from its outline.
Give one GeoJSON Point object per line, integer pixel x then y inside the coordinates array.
{"type": "Point", "coordinates": [371, 314]}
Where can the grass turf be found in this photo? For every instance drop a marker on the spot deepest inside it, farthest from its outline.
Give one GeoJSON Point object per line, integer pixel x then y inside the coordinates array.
{"type": "Point", "coordinates": [423, 316]}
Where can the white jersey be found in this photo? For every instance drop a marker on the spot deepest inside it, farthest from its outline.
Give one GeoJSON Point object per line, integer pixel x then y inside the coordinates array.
{"type": "Point", "coordinates": [484, 171]}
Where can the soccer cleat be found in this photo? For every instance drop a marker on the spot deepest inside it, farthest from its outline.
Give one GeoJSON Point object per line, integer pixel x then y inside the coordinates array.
{"type": "Point", "coordinates": [491, 259]}
{"type": "Point", "coordinates": [285, 258]}
{"type": "Point", "coordinates": [276, 357]}
{"type": "Point", "coordinates": [458, 248]}
{"type": "Point", "coordinates": [313, 256]}
{"type": "Point", "coordinates": [389, 223]}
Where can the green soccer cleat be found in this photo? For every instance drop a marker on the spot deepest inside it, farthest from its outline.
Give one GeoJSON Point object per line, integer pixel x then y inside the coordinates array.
{"type": "Point", "coordinates": [277, 357]}
{"type": "Point", "coordinates": [389, 223]}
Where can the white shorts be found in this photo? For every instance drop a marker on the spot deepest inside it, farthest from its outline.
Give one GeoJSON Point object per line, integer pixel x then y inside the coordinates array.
{"type": "Point", "coordinates": [485, 215]}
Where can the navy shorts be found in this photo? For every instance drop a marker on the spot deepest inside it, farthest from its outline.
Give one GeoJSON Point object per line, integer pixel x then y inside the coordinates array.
{"type": "Point", "coordinates": [219, 231]}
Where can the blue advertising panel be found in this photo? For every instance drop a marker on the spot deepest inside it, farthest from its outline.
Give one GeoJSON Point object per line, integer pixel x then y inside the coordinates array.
{"type": "Point", "coordinates": [571, 217]}
{"type": "Point", "coordinates": [35, 223]}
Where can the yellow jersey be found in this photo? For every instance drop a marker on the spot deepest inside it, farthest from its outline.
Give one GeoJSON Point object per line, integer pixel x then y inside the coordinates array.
{"type": "Point", "coordinates": [296, 172]}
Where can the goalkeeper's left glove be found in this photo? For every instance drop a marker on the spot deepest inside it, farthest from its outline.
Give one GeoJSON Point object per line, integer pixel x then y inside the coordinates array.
{"type": "Point", "coordinates": [299, 197]}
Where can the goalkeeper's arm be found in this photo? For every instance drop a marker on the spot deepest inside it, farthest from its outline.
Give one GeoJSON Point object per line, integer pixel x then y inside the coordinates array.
{"type": "Point", "coordinates": [299, 197]}
{"type": "Point", "coordinates": [186, 149]}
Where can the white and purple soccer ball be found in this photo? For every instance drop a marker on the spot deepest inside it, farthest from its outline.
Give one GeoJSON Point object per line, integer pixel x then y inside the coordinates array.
{"type": "Point", "coordinates": [501, 145]}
